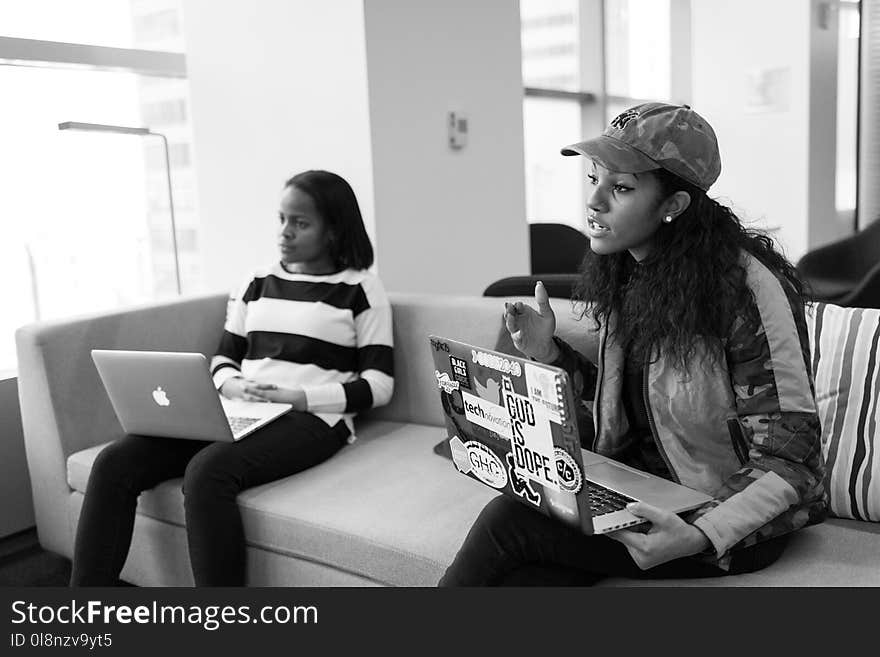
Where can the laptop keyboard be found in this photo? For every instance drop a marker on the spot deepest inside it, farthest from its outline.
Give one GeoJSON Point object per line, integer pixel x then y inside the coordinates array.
{"type": "Point", "coordinates": [240, 423]}
{"type": "Point", "coordinates": [604, 500]}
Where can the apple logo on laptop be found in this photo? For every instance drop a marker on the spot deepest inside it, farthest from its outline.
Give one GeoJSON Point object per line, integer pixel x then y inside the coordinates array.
{"type": "Point", "coordinates": [160, 397]}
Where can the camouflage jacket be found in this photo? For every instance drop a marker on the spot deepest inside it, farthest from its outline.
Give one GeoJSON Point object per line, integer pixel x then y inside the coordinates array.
{"type": "Point", "coordinates": [741, 427]}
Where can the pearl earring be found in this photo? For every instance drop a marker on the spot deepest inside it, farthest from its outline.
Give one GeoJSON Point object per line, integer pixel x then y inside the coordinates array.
{"type": "Point", "coordinates": [668, 219]}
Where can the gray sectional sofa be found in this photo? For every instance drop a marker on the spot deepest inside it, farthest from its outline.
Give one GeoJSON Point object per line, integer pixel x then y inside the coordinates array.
{"type": "Point", "coordinates": [385, 511]}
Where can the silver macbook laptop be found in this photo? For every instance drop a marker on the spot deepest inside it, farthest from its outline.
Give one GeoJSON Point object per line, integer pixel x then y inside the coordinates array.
{"type": "Point", "coordinates": [511, 425]}
{"type": "Point", "coordinates": [171, 394]}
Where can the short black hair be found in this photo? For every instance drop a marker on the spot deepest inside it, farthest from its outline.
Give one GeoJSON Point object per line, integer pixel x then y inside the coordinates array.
{"type": "Point", "coordinates": [337, 204]}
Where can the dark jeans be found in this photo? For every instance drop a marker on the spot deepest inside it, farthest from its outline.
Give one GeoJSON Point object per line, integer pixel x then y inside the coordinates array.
{"type": "Point", "coordinates": [511, 545]}
{"type": "Point", "coordinates": [213, 475]}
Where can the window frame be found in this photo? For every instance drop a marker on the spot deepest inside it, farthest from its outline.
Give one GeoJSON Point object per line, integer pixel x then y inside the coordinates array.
{"type": "Point", "coordinates": [593, 98]}
{"type": "Point", "coordinates": [22, 52]}
{"type": "Point", "coordinates": [56, 54]}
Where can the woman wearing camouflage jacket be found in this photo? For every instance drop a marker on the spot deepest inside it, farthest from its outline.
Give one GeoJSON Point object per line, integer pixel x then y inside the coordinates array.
{"type": "Point", "coordinates": [700, 372]}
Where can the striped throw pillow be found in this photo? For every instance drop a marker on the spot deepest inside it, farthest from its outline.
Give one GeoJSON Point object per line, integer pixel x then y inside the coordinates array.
{"type": "Point", "coordinates": [844, 343]}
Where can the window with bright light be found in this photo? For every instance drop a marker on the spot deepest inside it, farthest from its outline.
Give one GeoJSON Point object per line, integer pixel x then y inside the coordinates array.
{"type": "Point", "coordinates": [847, 110]}
{"type": "Point", "coordinates": [562, 105]}
{"type": "Point", "coordinates": [638, 53]}
{"type": "Point", "coordinates": [645, 56]}
{"type": "Point", "coordinates": [553, 185]}
{"type": "Point", "coordinates": [637, 39]}
{"type": "Point", "coordinates": [550, 44]}
{"type": "Point", "coordinates": [149, 24]}
{"type": "Point", "coordinates": [551, 61]}
{"type": "Point", "coordinates": [87, 223]}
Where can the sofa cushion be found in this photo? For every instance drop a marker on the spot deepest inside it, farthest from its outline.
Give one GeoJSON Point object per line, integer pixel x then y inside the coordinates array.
{"type": "Point", "coordinates": [378, 530]}
{"type": "Point", "coordinates": [844, 342]}
{"type": "Point", "coordinates": [385, 508]}
{"type": "Point", "coordinates": [836, 552]}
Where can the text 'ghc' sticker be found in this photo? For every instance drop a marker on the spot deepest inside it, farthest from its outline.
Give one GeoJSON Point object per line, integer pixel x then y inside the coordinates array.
{"type": "Point", "coordinates": [485, 465]}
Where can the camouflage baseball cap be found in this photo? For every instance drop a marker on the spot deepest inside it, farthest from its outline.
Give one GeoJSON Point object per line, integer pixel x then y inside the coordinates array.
{"type": "Point", "coordinates": [657, 136]}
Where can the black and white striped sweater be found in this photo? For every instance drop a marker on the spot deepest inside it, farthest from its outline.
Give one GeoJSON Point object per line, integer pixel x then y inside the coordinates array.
{"type": "Point", "coordinates": [331, 335]}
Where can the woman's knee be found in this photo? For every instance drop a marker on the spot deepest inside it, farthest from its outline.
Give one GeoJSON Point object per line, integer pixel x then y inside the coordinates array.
{"type": "Point", "coordinates": [115, 466]}
{"type": "Point", "coordinates": [488, 547]}
{"type": "Point", "coordinates": [514, 529]}
{"type": "Point", "coordinates": [500, 512]}
{"type": "Point", "coordinates": [206, 479]}
{"type": "Point", "coordinates": [497, 524]}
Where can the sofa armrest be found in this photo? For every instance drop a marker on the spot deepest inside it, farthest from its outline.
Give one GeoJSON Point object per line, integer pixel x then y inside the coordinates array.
{"type": "Point", "coordinates": [64, 407]}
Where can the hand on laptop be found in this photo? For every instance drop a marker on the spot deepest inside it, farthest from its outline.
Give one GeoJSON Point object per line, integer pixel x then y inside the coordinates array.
{"type": "Point", "coordinates": [532, 330]}
{"type": "Point", "coordinates": [239, 387]}
{"type": "Point", "coordinates": [296, 397]}
{"type": "Point", "coordinates": [668, 538]}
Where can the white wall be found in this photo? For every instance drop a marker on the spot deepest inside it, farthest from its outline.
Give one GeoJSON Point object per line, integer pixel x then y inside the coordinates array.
{"type": "Point", "coordinates": [280, 86]}
{"type": "Point", "coordinates": [447, 221]}
{"type": "Point", "coordinates": [752, 80]}
{"type": "Point", "coordinates": [276, 87]}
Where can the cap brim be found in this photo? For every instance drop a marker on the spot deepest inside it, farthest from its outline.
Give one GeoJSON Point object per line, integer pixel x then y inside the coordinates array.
{"type": "Point", "coordinates": [613, 154]}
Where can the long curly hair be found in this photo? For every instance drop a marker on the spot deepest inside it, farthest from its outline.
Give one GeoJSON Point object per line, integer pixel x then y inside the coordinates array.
{"type": "Point", "coordinates": [690, 286]}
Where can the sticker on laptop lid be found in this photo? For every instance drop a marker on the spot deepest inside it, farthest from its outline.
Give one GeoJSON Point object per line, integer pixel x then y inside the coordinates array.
{"type": "Point", "coordinates": [439, 345]}
{"type": "Point", "coordinates": [487, 385]}
{"type": "Point", "coordinates": [485, 414]}
{"type": "Point", "coordinates": [496, 362]}
{"type": "Point", "coordinates": [520, 484]}
{"type": "Point", "coordinates": [460, 371]}
{"type": "Point", "coordinates": [459, 455]}
{"type": "Point", "coordinates": [568, 473]}
{"type": "Point", "coordinates": [485, 465]}
{"type": "Point", "coordinates": [445, 383]}
{"type": "Point", "coordinates": [563, 506]}
{"type": "Point", "coordinates": [532, 440]}
{"type": "Point", "coordinates": [544, 390]}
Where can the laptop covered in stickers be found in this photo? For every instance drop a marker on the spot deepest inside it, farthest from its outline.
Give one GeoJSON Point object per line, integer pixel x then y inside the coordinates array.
{"type": "Point", "coordinates": [511, 425]}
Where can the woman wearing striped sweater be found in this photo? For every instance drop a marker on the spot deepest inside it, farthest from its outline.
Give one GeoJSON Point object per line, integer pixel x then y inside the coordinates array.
{"type": "Point", "coordinates": [312, 330]}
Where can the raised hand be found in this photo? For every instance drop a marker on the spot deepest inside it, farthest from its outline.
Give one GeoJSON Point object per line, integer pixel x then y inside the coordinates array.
{"type": "Point", "coordinates": [532, 330]}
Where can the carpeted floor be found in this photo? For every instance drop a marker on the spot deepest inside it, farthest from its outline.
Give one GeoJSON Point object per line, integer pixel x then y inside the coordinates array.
{"type": "Point", "coordinates": [24, 563]}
